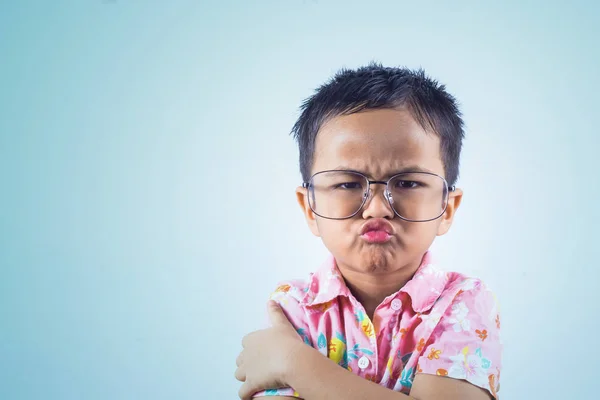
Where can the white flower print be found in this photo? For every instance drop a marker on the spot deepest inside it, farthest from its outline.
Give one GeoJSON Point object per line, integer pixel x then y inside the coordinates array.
{"type": "Point", "coordinates": [330, 277]}
{"type": "Point", "coordinates": [468, 284]}
{"type": "Point", "coordinates": [460, 309]}
{"type": "Point", "coordinates": [431, 270]}
{"type": "Point", "coordinates": [459, 317]}
{"type": "Point", "coordinates": [467, 366]}
{"type": "Point", "coordinates": [431, 320]}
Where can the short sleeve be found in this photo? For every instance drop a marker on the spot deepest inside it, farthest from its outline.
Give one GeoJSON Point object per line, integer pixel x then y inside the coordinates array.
{"type": "Point", "coordinates": [289, 296]}
{"type": "Point", "coordinates": [466, 343]}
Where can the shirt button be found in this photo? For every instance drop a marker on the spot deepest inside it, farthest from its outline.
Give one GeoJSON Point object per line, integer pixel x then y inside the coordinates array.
{"type": "Point", "coordinates": [396, 304]}
{"type": "Point", "coordinates": [363, 362]}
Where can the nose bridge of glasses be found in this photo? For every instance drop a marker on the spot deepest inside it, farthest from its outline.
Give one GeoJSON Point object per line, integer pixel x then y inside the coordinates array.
{"type": "Point", "coordinates": [371, 193]}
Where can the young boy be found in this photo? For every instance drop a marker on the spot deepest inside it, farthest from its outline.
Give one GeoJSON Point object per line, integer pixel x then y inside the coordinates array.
{"type": "Point", "coordinates": [379, 156]}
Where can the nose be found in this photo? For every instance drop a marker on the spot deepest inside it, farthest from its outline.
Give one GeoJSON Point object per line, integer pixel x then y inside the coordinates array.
{"type": "Point", "coordinates": [377, 204]}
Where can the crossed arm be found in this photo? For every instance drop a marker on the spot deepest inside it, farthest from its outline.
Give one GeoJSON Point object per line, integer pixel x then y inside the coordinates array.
{"type": "Point", "coordinates": [275, 357]}
{"type": "Point", "coordinates": [316, 377]}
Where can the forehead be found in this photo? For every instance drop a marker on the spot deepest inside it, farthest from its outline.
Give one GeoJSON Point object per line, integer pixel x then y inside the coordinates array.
{"type": "Point", "coordinates": [377, 142]}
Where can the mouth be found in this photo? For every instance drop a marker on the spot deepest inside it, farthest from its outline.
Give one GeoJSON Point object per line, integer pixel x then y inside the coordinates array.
{"type": "Point", "coordinates": [377, 231]}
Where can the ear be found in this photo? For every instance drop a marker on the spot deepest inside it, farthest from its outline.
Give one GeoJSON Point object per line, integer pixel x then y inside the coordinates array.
{"type": "Point", "coordinates": [454, 199]}
{"type": "Point", "coordinates": [302, 198]}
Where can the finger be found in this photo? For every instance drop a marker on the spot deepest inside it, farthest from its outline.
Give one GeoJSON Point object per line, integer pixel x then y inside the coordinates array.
{"type": "Point", "coordinates": [240, 374]}
{"type": "Point", "coordinates": [238, 360]}
{"type": "Point", "coordinates": [276, 315]}
{"type": "Point", "coordinates": [248, 338]}
{"type": "Point", "coordinates": [245, 392]}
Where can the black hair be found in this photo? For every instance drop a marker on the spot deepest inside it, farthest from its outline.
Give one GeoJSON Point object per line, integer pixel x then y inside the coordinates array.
{"type": "Point", "coordinates": [377, 87]}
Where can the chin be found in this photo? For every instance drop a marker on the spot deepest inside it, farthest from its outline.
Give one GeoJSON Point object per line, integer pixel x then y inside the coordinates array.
{"type": "Point", "coordinates": [377, 258]}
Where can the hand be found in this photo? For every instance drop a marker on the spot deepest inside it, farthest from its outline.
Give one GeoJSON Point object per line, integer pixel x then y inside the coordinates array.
{"type": "Point", "coordinates": [267, 355]}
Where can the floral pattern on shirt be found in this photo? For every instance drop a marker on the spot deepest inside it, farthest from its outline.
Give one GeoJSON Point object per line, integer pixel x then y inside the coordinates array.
{"type": "Point", "coordinates": [439, 323]}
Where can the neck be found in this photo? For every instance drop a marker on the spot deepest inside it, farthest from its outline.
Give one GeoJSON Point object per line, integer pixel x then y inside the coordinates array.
{"type": "Point", "coordinates": [371, 289]}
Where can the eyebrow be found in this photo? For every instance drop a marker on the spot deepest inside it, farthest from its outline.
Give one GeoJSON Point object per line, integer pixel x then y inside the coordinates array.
{"type": "Point", "coordinates": [405, 169]}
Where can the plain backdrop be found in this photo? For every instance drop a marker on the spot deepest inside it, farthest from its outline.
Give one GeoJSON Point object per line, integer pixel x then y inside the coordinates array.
{"type": "Point", "coordinates": [147, 175]}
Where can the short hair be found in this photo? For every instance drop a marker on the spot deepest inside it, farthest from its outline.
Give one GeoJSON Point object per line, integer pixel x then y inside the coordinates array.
{"type": "Point", "coordinates": [377, 87]}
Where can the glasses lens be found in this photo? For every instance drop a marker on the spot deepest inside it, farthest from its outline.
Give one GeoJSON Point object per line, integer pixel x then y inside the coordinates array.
{"type": "Point", "coordinates": [419, 196]}
{"type": "Point", "coordinates": [335, 194]}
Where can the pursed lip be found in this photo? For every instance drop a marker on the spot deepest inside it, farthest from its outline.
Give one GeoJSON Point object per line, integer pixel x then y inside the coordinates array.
{"type": "Point", "coordinates": [378, 224]}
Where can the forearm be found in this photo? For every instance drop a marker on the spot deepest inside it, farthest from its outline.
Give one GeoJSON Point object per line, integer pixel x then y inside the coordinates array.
{"type": "Point", "coordinates": [316, 377]}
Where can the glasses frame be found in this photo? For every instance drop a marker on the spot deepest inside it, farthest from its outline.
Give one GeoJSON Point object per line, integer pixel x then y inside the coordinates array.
{"type": "Point", "coordinates": [386, 193]}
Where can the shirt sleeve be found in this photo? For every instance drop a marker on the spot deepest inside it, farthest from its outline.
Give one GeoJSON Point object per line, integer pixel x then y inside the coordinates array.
{"type": "Point", "coordinates": [288, 296]}
{"type": "Point", "coordinates": [466, 343]}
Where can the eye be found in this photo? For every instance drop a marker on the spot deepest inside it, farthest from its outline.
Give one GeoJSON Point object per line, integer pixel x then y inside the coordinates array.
{"type": "Point", "coordinates": [349, 185]}
{"type": "Point", "coordinates": [407, 184]}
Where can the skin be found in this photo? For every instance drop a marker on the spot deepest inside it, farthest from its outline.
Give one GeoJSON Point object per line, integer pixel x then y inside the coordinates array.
{"type": "Point", "coordinates": [378, 143]}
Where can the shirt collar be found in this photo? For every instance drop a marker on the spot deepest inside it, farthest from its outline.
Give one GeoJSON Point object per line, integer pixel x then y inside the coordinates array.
{"type": "Point", "coordinates": [424, 288]}
{"type": "Point", "coordinates": [326, 284]}
{"type": "Point", "coordinates": [427, 284]}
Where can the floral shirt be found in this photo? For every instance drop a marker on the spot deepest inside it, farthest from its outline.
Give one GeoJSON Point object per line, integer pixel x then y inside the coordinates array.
{"type": "Point", "coordinates": [439, 323]}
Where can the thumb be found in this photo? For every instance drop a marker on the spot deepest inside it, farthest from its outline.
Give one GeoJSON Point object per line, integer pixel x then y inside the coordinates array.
{"type": "Point", "coordinates": [276, 315]}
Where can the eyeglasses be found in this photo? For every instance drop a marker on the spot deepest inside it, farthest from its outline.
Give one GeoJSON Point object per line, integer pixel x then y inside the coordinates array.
{"type": "Point", "coordinates": [414, 196]}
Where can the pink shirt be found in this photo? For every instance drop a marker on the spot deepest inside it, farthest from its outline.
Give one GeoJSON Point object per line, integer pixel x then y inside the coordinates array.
{"type": "Point", "coordinates": [439, 323]}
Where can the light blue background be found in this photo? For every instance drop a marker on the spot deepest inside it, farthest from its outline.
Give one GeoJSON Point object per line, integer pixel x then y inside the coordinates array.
{"type": "Point", "coordinates": [147, 206]}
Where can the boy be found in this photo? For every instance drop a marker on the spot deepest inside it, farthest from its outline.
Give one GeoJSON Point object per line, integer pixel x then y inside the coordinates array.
{"type": "Point", "coordinates": [379, 157]}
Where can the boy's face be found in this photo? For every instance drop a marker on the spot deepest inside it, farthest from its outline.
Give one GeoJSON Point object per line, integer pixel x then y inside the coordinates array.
{"type": "Point", "coordinates": [380, 144]}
